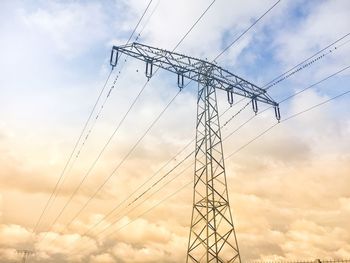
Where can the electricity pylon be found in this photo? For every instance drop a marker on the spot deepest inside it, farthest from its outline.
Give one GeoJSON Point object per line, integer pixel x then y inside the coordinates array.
{"type": "Point", "coordinates": [212, 236]}
{"type": "Point", "coordinates": [25, 254]}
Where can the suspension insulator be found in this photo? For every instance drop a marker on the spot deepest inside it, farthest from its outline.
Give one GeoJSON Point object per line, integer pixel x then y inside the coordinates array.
{"type": "Point", "coordinates": [277, 113]}
{"type": "Point", "coordinates": [149, 69]}
{"type": "Point", "coordinates": [230, 96]}
{"type": "Point", "coordinates": [255, 105]}
{"type": "Point", "coordinates": [114, 57]}
{"type": "Point", "coordinates": [180, 80]}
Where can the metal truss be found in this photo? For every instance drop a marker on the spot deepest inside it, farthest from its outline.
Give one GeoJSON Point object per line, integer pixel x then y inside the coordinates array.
{"type": "Point", "coordinates": [190, 68]}
{"type": "Point", "coordinates": [212, 236]}
{"type": "Point", "coordinates": [308, 261]}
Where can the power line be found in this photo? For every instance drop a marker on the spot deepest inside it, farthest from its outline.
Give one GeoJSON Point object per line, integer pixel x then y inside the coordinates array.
{"type": "Point", "coordinates": [152, 194]}
{"type": "Point", "coordinates": [88, 133]}
{"type": "Point", "coordinates": [241, 148]}
{"type": "Point", "coordinates": [119, 73]}
{"type": "Point", "coordinates": [138, 23]}
{"type": "Point", "coordinates": [145, 192]}
{"type": "Point", "coordinates": [115, 208]}
{"type": "Point", "coordinates": [245, 31]}
{"type": "Point", "coordinates": [115, 169]}
{"type": "Point", "coordinates": [156, 173]}
{"type": "Point", "coordinates": [85, 125]}
{"type": "Point", "coordinates": [292, 71]}
{"type": "Point", "coordinates": [286, 76]}
{"type": "Point", "coordinates": [299, 64]}
{"type": "Point", "coordinates": [150, 209]}
{"type": "Point", "coordinates": [148, 19]}
{"type": "Point", "coordinates": [270, 127]}
{"type": "Point", "coordinates": [124, 159]}
{"type": "Point", "coordinates": [335, 48]}
{"type": "Point", "coordinates": [193, 26]}
{"type": "Point", "coordinates": [159, 180]}
{"type": "Point", "coordinates": [101, 107]}
{"type": "Point", "coordinates": [241, 35]}
{"type": "Point", "coordinates": [287, 98]}
{"type": "Point", "coordinates": [223, 50]}
{"type": "Point", "coordinates": [182, 39]}
{"type": "Point", "coordinates": [139, 187]}
{"type": "Point", "coordinates": [286, 119]}
{"type": "Point", "coordinates": [71, 155]}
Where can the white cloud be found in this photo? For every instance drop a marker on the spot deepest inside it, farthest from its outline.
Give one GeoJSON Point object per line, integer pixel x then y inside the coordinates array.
{"type": "Point", "coordinates": [8, 254]}
{"type": "Point", "coordinates": [146, 253]}
{"type": "Point", "coordinates": [13, 235]}
{"type": "Point", "coordinates": [323, 23]}
{"type": "Point", "coordinates": [102, 258]}
{"type": "Point", "coordinates": [274, 183]}
{"type": "Point", "coordinates": [69, 27]}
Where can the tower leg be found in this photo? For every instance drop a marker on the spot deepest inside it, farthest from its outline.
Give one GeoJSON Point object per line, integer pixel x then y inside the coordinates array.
{"type": "Point", "coordinates": [212, 235]}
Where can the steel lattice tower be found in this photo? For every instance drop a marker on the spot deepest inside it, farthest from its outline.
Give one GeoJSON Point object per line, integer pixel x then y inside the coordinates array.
{"type": "Point", "coordinates": [212, 236]}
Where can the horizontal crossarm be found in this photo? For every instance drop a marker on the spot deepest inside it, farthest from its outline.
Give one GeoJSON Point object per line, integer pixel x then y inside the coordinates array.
{"type": "Point", "coordinates": [190, 68]}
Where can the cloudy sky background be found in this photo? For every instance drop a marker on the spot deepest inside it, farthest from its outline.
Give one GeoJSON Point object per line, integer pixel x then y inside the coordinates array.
{"type": "Point", "coordinates": [289, 190]}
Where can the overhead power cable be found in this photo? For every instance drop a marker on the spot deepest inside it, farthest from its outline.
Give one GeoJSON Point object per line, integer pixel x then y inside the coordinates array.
{"type": "Point", "coordinates": [240, 127]}
{"type": "Point", "coordinates": [71, 154]}
{"type": "Point", "coordinates": [286, 119]}
{"type": "Point", "coordinates": [241, 148]}
{"type": "Point", "coordinates": [115, 208]}
{"type": "Point", "coordinates": [123, 160]}
{"type": "Point", "coordinates": [148, 190]}
{"type": "Point", "coordinates": [83, 130]}
{"type": "Point", "coordinates": [138, 23]}
{"type": "Point", "coordinates": [118, 75]}
{"type": "Point", "coordinates": [193, 26]}
{"type": "Point", "coordinates": [229, 120]}
{"type": "Point", "coordinates": [288, 98]}
{"type": "Point", "coordinates": [182, 39]}
{"type": "Point", "coordinates": [305, 60]}
{"type": "Point", "coordinates": [139, 187]}
{"type": "Point", "coordinates": [245, 31]}
{"type": "Point", "coordinates": [149, 196]}
{"type": "Point", "coordinates": [303, 66]}
{"type": "Point", "coordinates": [156, 173]}
{"type": "Point", "coordinates": [312, 86]}
{"type": "Point", "coordinates": [151, 208]}
{"type": "Point", "coordinates": [229, 135]}
{"type": "Point", "coordinates": [105, 101]}
{"type": "Point", "coordinates": [119, 72]}
{"type": "Point", "coordinates": [114, 170]}
{"type": "Point", "coordinates": [241, 34]}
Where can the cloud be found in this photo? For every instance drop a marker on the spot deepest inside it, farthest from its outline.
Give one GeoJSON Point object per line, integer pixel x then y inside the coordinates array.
{"type": "Point", "coordinates": [288, 190]}
{"type": "Point", "coordinates": [102, 258]}
{"type": "Point", "coordinates": [127, 253]}
{"type": "Point", "coordinates": [306, 34]}
{"type": "Point", "coordinates": [69, 27]}
{"type": "Point", "coordinates": [13, 235]}
{"type": "Point", "coordinates": [8, 254]}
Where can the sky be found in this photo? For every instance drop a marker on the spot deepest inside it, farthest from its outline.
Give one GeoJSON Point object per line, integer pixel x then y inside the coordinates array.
{"type": "Point", "coordinates": [288, 189]}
